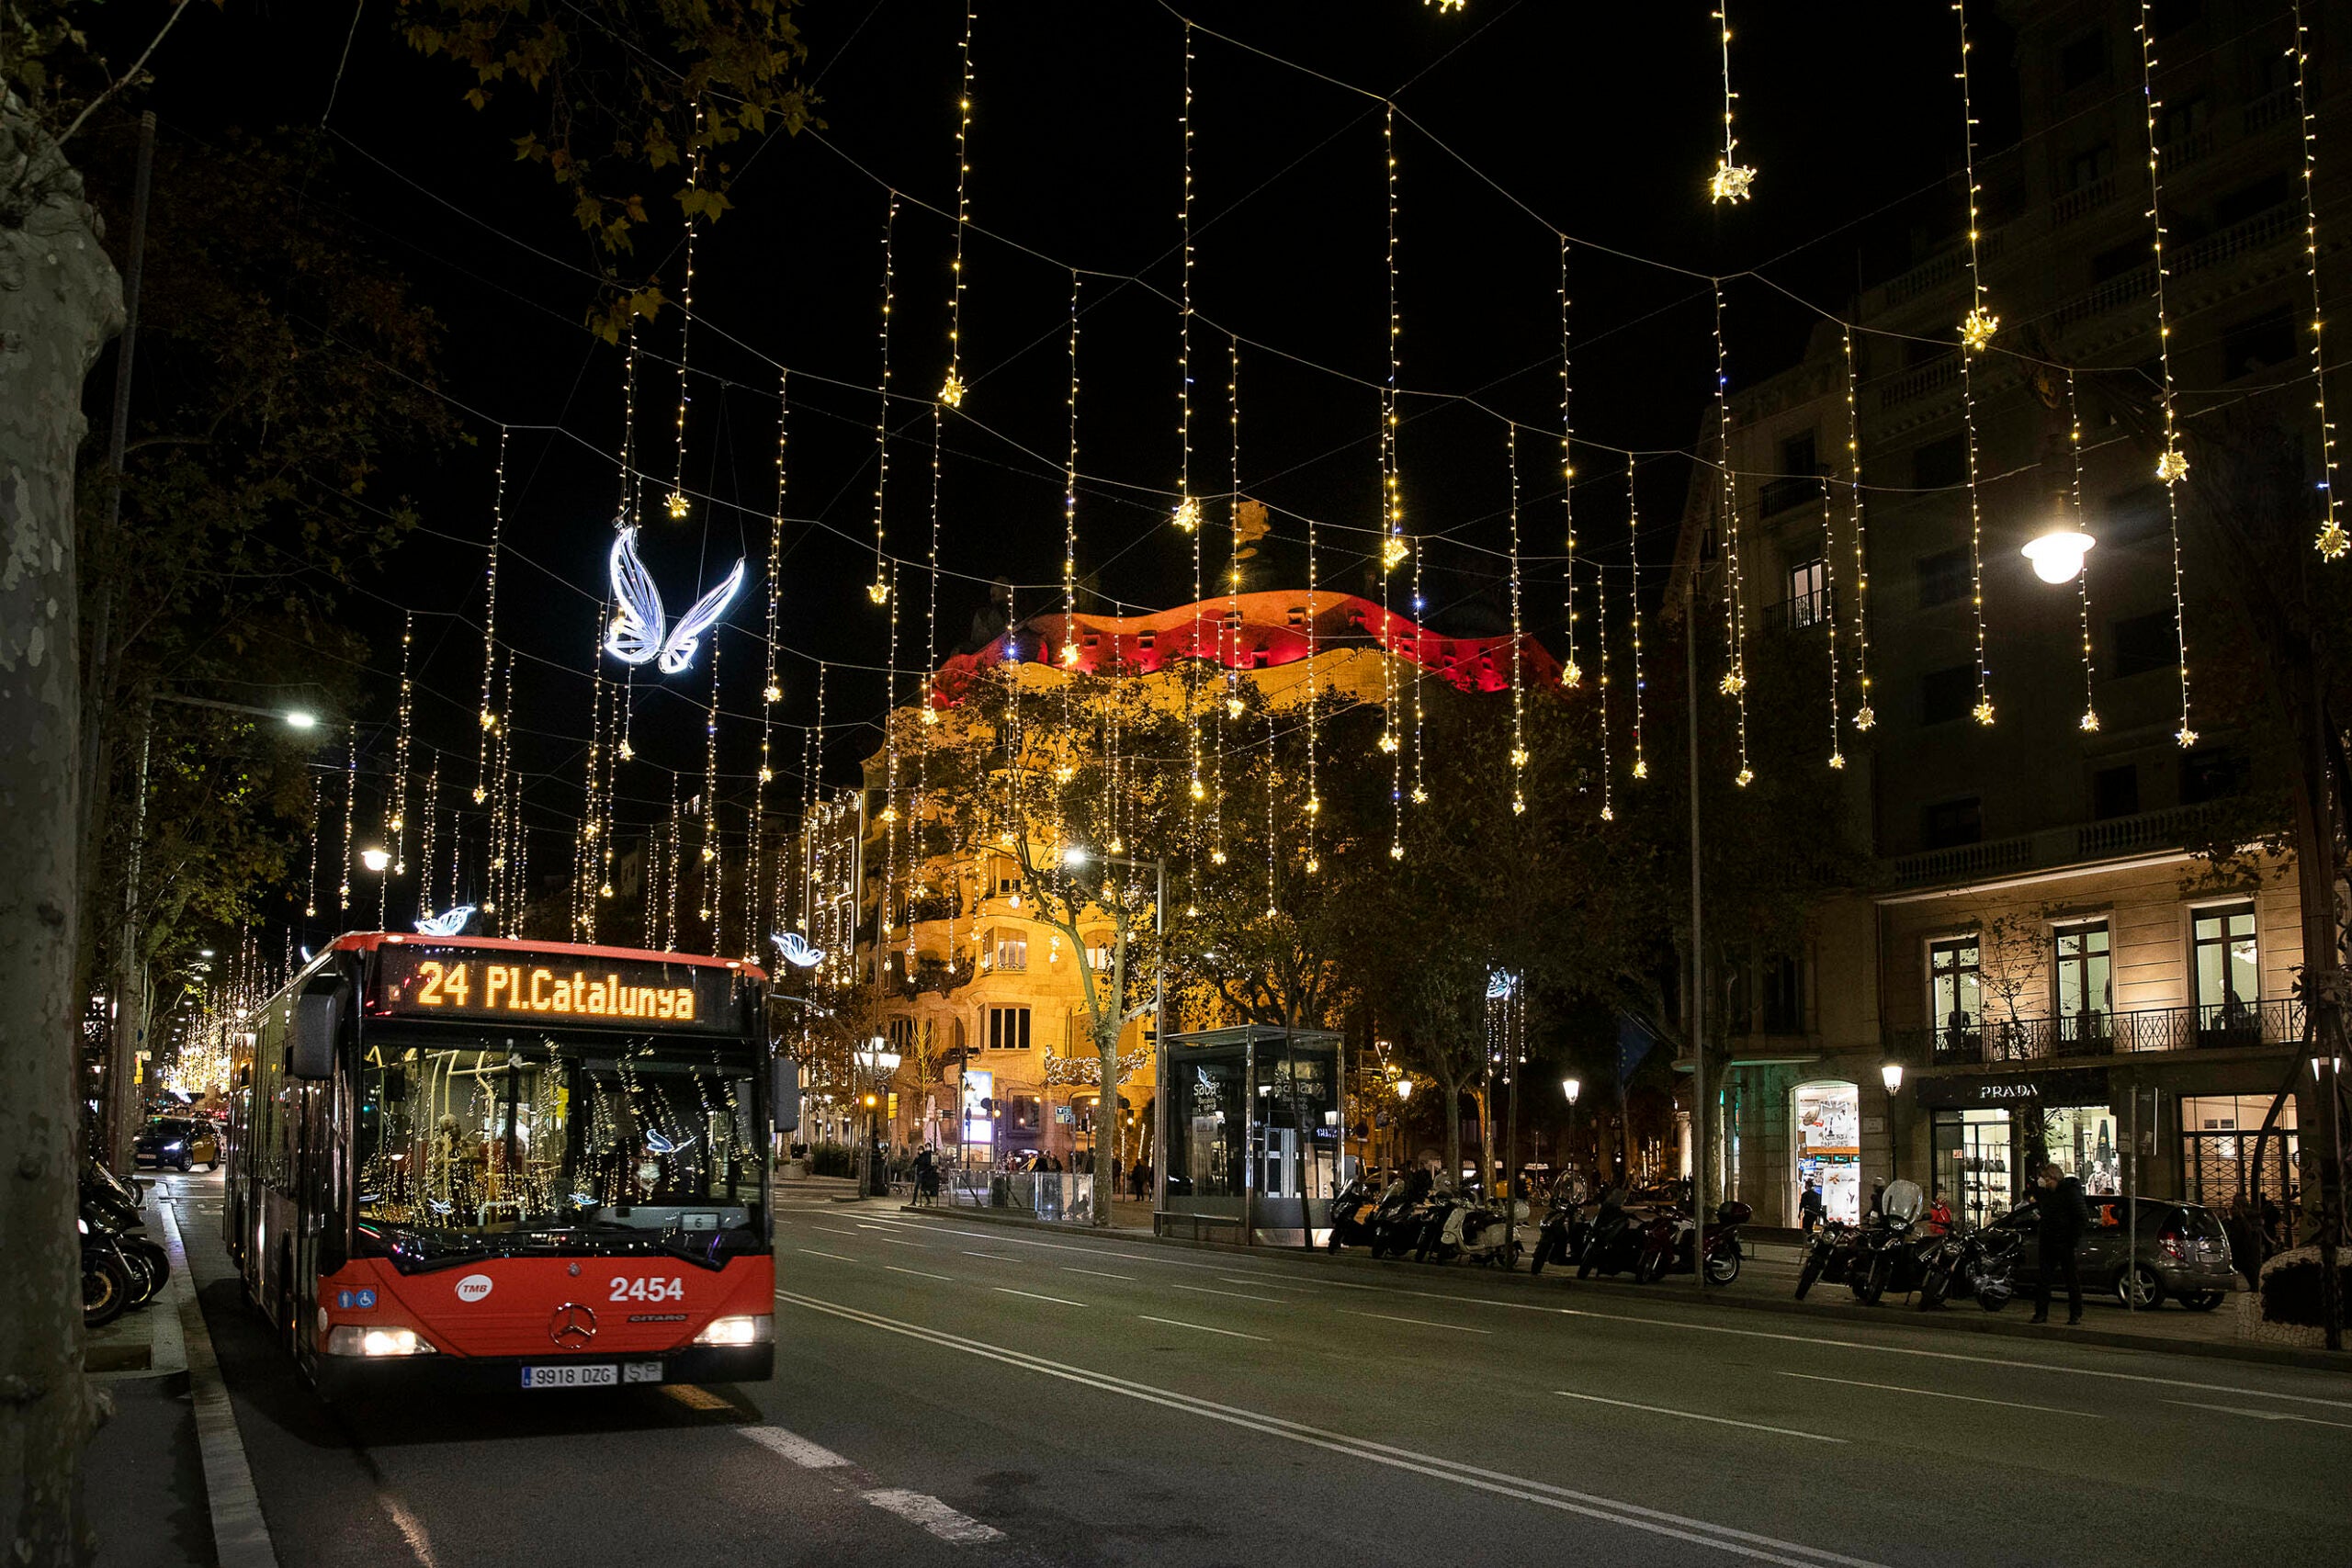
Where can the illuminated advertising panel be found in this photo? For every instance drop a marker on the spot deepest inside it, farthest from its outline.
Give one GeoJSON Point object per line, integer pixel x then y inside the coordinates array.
{"type": "Point", "coordinates": [979, 1131]}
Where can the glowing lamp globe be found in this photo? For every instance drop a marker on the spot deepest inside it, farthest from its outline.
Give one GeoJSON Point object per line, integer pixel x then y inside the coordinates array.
{"type": "Point", "coordinates": [375, 860]}
{"type": "Point", "coordinates": [2057, 556]}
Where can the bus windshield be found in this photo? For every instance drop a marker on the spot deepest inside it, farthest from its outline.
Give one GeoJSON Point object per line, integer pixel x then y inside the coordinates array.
{"type": "Point", "coordinates": [467, 1138]}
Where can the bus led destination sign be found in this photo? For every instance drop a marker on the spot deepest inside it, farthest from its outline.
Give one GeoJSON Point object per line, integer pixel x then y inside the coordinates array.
{"type": "Point", "coordinates": [414, 981]}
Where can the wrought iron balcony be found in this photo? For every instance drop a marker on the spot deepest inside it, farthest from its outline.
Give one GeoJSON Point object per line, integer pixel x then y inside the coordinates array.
{"type": "Point", "coordinates": [1995, 1041]}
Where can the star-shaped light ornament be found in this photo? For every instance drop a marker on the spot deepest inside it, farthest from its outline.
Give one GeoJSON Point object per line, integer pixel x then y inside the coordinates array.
{"type": "Point", "coordinates": [1420, 795]}
{"type": "Point", "coordinates": [1977, 328]}
{"type": "Point", "coordinates": [1396, 851]}
{"type": "Point", "coordinates": [2173, 467]}
{"type": "Point", "coordinates": [2186, 736]}
{"type": "Point", "coordinates": [1387, 740]}
{"type": "Point", "coordinates": [2333, 541]}
{"type": "Point", "coordinates": [1838, 760]}
{"type": "Point", "coordinates": [2088, 723]}
{"type": "Point", "coordinates": [1233, 707]}
{"type": "Point", "coordinates": [1730, 181]}
{"type": "Point", "coordinates": [1518, 806]}
{"type": "Point", "coordinates": [1640, 767]}
{"type": "Point", "coordinates": [1571, 674]}
{"type": "Point", "coordinates": [1732, 685]}
{"type": "Point", "coordinates": [1392, 551]}
{"type": "Point", "coordinates": [676, 503]}
{"type": "Point", "coordinates": [1747, 776]}
{"type": "Point", "coordinates": [1608, 814]}
{"type": "Point", "coordinates": [1864, 718]}
{"type": "Point", "coordinates": [1983, 712]}
{"type": "Point", "coordinates": [772, 692]}
{"type": "Point", "coordinates": [879, 592]}
{"type": "Point", "coordinates": [951, 392]}
{"type": "Point", "coordinates": [628, 752]}
{"type": "Point", "coordinates": [1518, 756]}
{"type": "Point", "coordinates": [1187, 516]}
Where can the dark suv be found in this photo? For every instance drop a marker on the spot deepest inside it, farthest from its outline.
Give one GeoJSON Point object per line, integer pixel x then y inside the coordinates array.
{"type": "Point", "coordinates": [2183, 1252]}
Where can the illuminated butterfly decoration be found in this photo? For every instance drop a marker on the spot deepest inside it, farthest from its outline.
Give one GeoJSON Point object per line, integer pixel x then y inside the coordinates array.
{"type": "Point", "coordinates": [448, 922]}
{"type": "Point", "coordinates": [663, 1145]}
{"type": "Point", "coordinates": [796, 951]}
{"type": "Point", "coordinates": [1500, 985]}
{"type": "Point", "coordinates": [640, 634]}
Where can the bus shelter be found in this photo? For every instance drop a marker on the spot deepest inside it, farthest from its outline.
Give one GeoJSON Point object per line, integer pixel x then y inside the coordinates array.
{"type": "Point", "coordinates": [1250, 1143]}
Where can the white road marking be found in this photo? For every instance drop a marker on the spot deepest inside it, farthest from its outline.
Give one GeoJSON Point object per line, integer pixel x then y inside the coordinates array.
{"type": "Point", "coordinates": [1609, 1510]}
{"type": "Point", "coordinates": [2262, 1414]}
{"type": "Point", "coordinates": [1237, 1295]}
{"type": "Point", "coordinates": [1938, 1393]}
{"type": "Point", "coordinates": [1694, 1415]}
{"type": "Point", "coordinates": [1058, 1301]}
{"type": "Point", "coordinates": [797, 1449]}
{"type": "Point", "coordinates": [998, 1257]}
{"type": "Point", "coordinates": [931, 1514]}
{"type": "Point", "coordinates": [924, 1272]}
{"type": "Point", "coordinates": [834, 1255]}
{"type": "Point", "coordinates": [1424, 1322]}
{"type": "Point", "coordinates": [901, 1241]}
{"type": "Point", "coordinates": [1204, 1328]}
{"type": "Point", "coordinates": [1098, 1273]}
{"type": "Point", "coordinates": [833, 1230]}
{"type": "Point", "coordinates": [1268, 1285]}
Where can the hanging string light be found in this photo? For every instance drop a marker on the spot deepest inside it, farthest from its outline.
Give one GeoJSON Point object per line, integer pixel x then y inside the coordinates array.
{"type": "Point", "coordinates": [1733, 683]}
{"type": "Point", "coordinates": [1392, 499]}
{"type": "Point", "coordinates": [1864, 715]}
{"type": "Point", "coordinates": [1229, 629]}
{"type": "Point", "coordinates": [676, 501]}
{"type": "Point", "coordinates": [1273, 840]}
{"type": "Point", "coordinates": [1314, 795]}
{"type": "Point", "coordinates": [2173, 466]}
{"type": "Point", "coordinates": [1829, 615]}
{"type": "Point", "coordinates": [1188, 508]}
{"type": "Point", "coordinates": [2333, 540]}
{"type": "Point", "coordinates": [489, 620]}
{"type": "Point", "coordinates": [2089, 721]}
{"type": "Point", "coordinates": [710, 883]}
{"type": "Point", "coordinates": [951, 392]}
{"type": "Point", "coordinates": [1518, 697]}
{"type": "Point", "coordinates": [1608, 770]}
{"type": "Point", "coordinates": [1731, 180]}
{"type": "Point", "coordinates": [396, 822]}
{"type": "Point", "coordinates": [677, 868]}
{"type": "Point", "coordinates": [318, 832]}
{"type": "Point", "coordinates": [1976, 330]}
{"type": "Point", "coordinates": [1420, 674]}
{"type": "Point", "coordinates": [879, 592]}
{"type": "Point", "coordinates": [1571, 673]}
{"type": "Point", "coordinates": [425, 901]}
{"type": "Point", "coordinates": [1634, 605]}
{"type": "Point", "coordinates": [350, 821]}
{"type": "Point", "coordinates": [1070, 500]}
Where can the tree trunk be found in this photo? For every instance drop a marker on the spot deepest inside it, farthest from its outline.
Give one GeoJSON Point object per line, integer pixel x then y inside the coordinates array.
{"type": "Point", "coordinates": [59, 301]}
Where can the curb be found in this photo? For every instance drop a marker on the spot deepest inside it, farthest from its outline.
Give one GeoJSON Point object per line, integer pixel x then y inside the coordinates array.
{"type": "Point", "coordinates": [1985, 1324]}
{"type": "Point", "coordinates": [239, 1534]}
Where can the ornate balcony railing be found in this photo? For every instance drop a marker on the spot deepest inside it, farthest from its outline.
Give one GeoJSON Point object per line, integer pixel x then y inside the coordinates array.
{"type": "Point", "coordinates": [2082, 843]}
{"type": "Point", "coordinates": [1995, 1041]}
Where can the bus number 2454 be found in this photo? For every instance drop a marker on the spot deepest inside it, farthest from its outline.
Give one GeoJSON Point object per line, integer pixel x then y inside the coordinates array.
{"type": "Point", "coordinates": [672, 1289]}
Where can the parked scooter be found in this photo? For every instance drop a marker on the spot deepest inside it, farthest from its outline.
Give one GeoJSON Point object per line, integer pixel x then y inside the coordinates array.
{"type": "Point", "coordinates": [1562, 1234]}
{"type": "Point", "coordinates": [1470, 1230]}
{"type": "Point", "coordinates": [1669, 1240]}
{"type": "Point", "coordinates": [1352, 1213]}
{"type": "Point", "coordinates": [1614, 1242]}
{"type": "Point", "coordinates": [1978, 1263]}
{"type": "Point", "coordinates": [1829, 1256]}
{"type": "Point", "coordinates": [1402, 1215]}
{"type": "Point", "coordinates": [114, 1233]}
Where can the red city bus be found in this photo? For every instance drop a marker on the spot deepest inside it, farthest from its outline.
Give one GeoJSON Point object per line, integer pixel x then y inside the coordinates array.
{"type": "Point", "coordinates": [511, 1164]}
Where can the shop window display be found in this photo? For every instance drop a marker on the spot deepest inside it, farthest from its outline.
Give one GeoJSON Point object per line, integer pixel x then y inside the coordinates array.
{"type": "Point", "coordinates": [2216, 1137]}
{"type": "Point", "coordinates": [1977, 1164]}
{"type": "Point", "coordinates": [2082, 1140]}
{"type": "Point", "coordinates": [1828, 1144]}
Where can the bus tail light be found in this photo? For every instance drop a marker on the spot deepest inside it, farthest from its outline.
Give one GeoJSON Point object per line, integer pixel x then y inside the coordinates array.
{"type": "Point", "coordinates": [748, 1330]}
{"type": "Point", "coordinates": [351, 1339]}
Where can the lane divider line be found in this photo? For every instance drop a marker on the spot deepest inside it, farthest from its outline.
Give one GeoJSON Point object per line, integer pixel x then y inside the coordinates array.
{"type": "Point", "coordinates": [1204, 1328]}
{"type": "Point", "coordinates": [1632, 1516]}
{"type": "Point", "coordinates": [931, 1514]}
{"type": "Point", "coordinates": [1694, 1415]}
{"type": "Point", "coordinates": [2260, 1414]}
{"type": "Point", "coordinates": [1424, 1322]}
{"type": "Point", "coordinates": [1237, 1295]}
{"type": "Point", "coordinates": [1099, 1274]}
{"type": "Point", "coordinates": [924, 1272]}
{"type": "Point", "coordinates": [795, 1447]}
{"type": "Point", "coordinates": [1058, 1301]}
{"type": "Point", "coordinates": [834, 1255]}
{"type": "Point", "coordinates": [1938, 1393]}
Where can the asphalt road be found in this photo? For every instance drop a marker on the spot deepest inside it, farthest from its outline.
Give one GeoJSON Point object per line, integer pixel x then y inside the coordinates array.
{"type": "Point", "coordinates": [954, 1393]}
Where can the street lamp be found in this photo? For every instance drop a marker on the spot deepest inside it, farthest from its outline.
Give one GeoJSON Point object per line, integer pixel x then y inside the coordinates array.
{"type": "Point", "coordinates": [2057, 556]}
{"type": "Point", "coordinates": [1891, 1075]}
{"type": "Point", "coordinates": [375, 859]}
{"type": "Point", "coordinates": [1571, 1088]}
{"type": "Point", "coordinates": [301, 719]}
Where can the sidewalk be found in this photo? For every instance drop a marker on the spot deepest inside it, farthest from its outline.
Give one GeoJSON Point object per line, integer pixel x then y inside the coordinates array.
{"type": "Point", "coordinates": [1767, 1284]}
{"type": "Point", "coordinates": [145, 1461]}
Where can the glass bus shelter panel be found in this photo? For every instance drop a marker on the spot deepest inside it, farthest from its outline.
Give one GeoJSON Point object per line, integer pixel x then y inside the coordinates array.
{"type": "Point", "coordinates": [1209, 1130]}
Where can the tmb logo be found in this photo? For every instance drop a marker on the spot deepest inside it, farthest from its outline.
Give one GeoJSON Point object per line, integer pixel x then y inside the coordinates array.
{"type": "Point", "coordinates": [473, 1287]}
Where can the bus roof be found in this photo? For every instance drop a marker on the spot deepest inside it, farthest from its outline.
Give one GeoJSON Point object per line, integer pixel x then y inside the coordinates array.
{"type": "Point", "coordinates": [367, 941]}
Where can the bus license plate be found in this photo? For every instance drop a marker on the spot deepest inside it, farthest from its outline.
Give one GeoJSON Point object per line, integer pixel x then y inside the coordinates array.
{"type": "Point", "coordinates": [603, 1376]}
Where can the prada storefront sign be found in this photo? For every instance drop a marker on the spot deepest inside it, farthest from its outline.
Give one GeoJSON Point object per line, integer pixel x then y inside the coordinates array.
{"type": "Point", "coordinates": [1989, 1091]}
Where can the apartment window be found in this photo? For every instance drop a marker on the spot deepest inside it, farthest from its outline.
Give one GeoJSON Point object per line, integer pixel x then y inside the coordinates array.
{"type": "Point", "coordinates": [2082, 61]}
{"type": "Point", "coordinates": [901, 1032]}
{"type": "Point", "coordinates": [1008, 882]}
{"type": "Point", "coordinates": [1011, 952]}
{"type": "Point", "coordinates": [1021, 1118]}
{"type": "Point", "coordinates": [1008, 1029]}
{"type": "Point", "coordinates": [1782, 980]}
{"type": "Point", "coordinates": [2139, 645]}
{"type": "Point", "coordinates": [2080, 964]}
{"type": "Point", "coordinates": [2259, 343]}
{"type": "Point", "coordinates": [1798, 481]}
{"type": "Point", "coordinates": [1947, 694]}
{"type": "Point", "coordinates": [1943, 577]}
{"type": "Point", "coordinates": [2215, 773]}
{"type": "Point", "coordinates": [1948, 824]}
{"type": "Point", "coordinates": [1809, 593]}
{"type": "Point", "coordinates": [1099, 958]}
{"type": "Point", "coordinates": [2177, 122]}
{"type": "Point", "coordinates": [2115, 792]}
{"type": "Point", "coordinates": [1939, 465]}
{"type": "Point", "coordinates": [1955, 972]}
{"type": "Point", "coordinates": [2090, 166]}
{"type": "Point", "coordinates": [2228, 981]}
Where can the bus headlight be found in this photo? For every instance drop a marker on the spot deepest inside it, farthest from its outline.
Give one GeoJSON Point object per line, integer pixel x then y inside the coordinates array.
{"type": "Point", "coordinates": [747, 1330]}
{"type": "Point", "coordinates": [351, 1339]}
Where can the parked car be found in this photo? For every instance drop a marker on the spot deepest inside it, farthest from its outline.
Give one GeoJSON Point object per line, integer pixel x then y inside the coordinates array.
{"type": "Point", "coordinates": [179, 1142]}
{"type": "Point", "coordinates": [2183, 1253]}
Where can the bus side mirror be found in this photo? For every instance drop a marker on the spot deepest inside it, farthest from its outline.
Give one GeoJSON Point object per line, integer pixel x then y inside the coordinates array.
{"type": "Point", "coordinates": [309, 1052]}
{"type": "Point", "coordinates": [784, 1093]}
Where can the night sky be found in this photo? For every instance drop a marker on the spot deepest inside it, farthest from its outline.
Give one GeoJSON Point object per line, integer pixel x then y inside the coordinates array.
{"type": "Point", "coordinates": [1515, 122]}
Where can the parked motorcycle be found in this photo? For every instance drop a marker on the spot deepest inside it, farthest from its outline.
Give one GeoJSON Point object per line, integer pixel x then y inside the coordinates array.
{"type": "Point", "coordinates": [1352, 1213]}
{"type": "Point", "coordinates": [1400, 1219]}
{"type": "Point", "coordinates": [1613, 1243]}
{"type": "Point", "coordinates": [1829, 1255]}
{"type": "Point", "coordinates": [1887, 1253]}
{"type": "Point", "coordinates": [1979, 1263]}
{"type": "Point", "coordinates": [1670, 1242]}
{"type": "Point", "coordinates": [1562, 1234]}
{"type": "Point", "coordinates": [122, 1267]}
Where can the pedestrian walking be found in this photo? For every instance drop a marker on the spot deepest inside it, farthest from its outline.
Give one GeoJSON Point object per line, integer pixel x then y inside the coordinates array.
{"type": "Point", "coordinates": [1809, 1207]}
{"type": "Point", "coordinates": [1878, 1195]}
{"type": "Point", "coordinates": [2061, 1214]}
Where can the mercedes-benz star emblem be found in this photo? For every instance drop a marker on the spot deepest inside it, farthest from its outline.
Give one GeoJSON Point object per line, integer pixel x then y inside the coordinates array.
{"type": "Point", "coordinates": [573, 1327]}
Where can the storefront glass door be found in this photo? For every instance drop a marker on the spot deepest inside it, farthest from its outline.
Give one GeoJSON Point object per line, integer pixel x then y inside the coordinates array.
{"type": "Point", "coordinates": [2081, 1140]}
{"type": "Point", "coordinates": [2217, 1139]}
{"type": "Point", "coordinates": [1829, 1147]}
{"type": "Point", "coordinates": [1975, 1164]}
